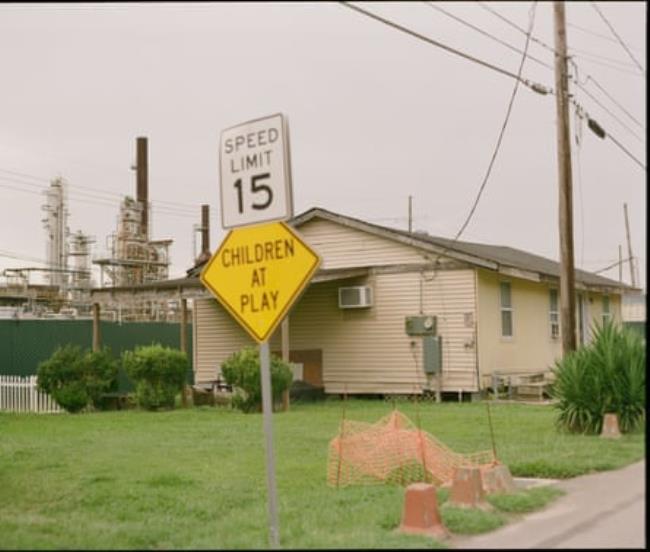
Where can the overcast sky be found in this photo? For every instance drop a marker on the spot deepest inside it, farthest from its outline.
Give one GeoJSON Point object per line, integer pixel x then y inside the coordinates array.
{"type": "Point", "coordinates": [375, 115]}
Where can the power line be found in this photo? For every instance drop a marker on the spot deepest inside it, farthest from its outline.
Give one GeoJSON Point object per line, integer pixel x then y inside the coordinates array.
{"type": "Point", "coordinates": [500, 138]}
{"type": "Point", "coordinates": [632, 117]}
{"type": "Point", "coordinates": [582, 53]}
{"type": "Point", "coordinates": [608, 65]}
{"type": "Point", "coordinates": [626, 151]}
{"type": "Point", "coordinates": [551, 48]}
{"type": "Point", "coordinates": [600, 132]}
{"type": "Point", "coordinates": [172, 204]}
{"type": "Point", "coordinates": [520, 29]}
{"type": "Point", "coordinates": [106, 200]}
{"type": "Point", "coordinates": [632, 132]}
{"type": "Point", "coordinates": [485, 33]}
{"type": "Point", "coordinates": [620, 40]}
{"type": "Point", "coordinates": [612, 266]}
{"type": "Point", "coordinates": [534, 86]}
{"type": "Point", "coordinates": [593, 33]}
{"type": "Point", "coordinates": [11, 255]}
{"type": "Point", "coordinates": [88, 198]}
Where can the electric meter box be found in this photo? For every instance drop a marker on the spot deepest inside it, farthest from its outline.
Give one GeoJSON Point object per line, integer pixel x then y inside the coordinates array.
{"type": "Point", "coordinates": [432, 354]}
{"type": "Point", "coordinates": [421, 325]}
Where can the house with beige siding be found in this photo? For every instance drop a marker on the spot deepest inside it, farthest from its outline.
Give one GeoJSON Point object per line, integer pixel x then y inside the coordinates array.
{"type": "Point", "coordinates": [496, 310]}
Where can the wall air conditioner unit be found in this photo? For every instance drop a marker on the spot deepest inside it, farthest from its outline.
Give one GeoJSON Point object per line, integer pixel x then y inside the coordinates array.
{"type": "Point", "coordinates": [355, 297]}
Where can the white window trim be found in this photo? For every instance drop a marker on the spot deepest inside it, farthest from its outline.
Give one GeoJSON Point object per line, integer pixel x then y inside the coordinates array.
{"type": "Point", "coordinates": [607, 314]}
{"type": "Point", "coordinates": [511, 309]}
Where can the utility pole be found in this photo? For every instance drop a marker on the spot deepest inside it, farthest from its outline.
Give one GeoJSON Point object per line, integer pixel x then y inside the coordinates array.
{"type": "Point", "coordinates": [567, 274]}
{"type": "Point", "coordinates": [629, 247]}
{"type": "Point", "coordinates": [410, 214]}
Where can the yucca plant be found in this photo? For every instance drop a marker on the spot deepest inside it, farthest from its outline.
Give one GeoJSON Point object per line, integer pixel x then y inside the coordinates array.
{"type": "Point", "coordinates": [608, 375]}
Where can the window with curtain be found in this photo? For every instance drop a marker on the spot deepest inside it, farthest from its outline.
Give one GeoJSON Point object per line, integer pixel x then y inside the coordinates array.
{"type": "Point", "coordinates": [506, 310]}
{"type": "Point", "coordinates": [607, 313]}
{"type": "Point", "coordinates": [554, 314]}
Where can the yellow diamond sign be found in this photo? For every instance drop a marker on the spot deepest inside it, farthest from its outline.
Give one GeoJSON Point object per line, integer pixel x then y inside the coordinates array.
{"type": "Point", "coordinates": [258, 272]}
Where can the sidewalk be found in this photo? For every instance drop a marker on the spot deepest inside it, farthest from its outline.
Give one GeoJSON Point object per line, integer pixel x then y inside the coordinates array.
{"type": "Point", "coordinates": [603, 510]}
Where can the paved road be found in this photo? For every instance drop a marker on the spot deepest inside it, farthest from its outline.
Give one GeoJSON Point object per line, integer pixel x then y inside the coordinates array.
{"type": "Point", "coordinates": [603, 510]}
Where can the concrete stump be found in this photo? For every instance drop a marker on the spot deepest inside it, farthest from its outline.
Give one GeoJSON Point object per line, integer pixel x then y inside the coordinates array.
{"type": "Point", "coordinates": [610, 427]}
{"type": "Point", "coordinates": [467, 489]}
{"type": "Point", "coordinates": [421, 515]}
{"type": "Point", "coordinates": [497, 479]}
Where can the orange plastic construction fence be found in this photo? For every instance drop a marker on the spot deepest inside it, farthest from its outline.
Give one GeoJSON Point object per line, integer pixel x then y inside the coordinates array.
{"type": "Point", "coordinates": [393, 450]}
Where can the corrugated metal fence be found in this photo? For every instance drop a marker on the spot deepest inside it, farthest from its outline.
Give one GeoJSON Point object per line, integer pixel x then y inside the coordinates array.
{"type": "Point", "coordinates": [26, 343]}
{"type": "Point", "coordinates": [19, 394]}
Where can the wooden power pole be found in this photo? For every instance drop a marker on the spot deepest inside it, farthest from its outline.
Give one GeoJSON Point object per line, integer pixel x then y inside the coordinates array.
{"type": "Point", "coordinates": [630, 258]}
{"type": "Point", "coordinates": [410, 214]}
{"type": "Point", "coordinates": [567, 274]}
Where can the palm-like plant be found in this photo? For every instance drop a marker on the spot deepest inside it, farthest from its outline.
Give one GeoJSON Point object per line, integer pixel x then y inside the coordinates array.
{"type": "Point", "coordinates": [605, 376]}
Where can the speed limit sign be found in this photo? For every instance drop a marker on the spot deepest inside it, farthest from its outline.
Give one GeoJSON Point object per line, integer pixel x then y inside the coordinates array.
{"type": "Point", "coordinates": [255, 172]}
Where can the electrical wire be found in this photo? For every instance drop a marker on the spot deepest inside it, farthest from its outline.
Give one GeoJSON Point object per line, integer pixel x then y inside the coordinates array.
{"type": "Point", "coordinates": [625, 126]}
{"type": "Point", "coordinates": [520, 29]}
{"type": "Point", "coordinates": [594, 33]}
{"type": "Point", "coordinates": [499, 140]}
{"type": "Point", "coordinates": [618, 38]}
{"type": "Point", "coordinates": [609, 267]}
{"type": "Point", "coordinates": [577, 52]}
{"type": "Point", "coordinates": [172, 205]}
{"type": "Point", "coordinates": [626, 151]}
{"type": "Point", "coordinates": [89, 198]}
{"type": "Point", "coordinates": [485, 33]}
{"type": "Point", "coordinates": [515, 26]}
{"type": "Point", "coordinates": [551, 48]}
{"type": "Point", "coordinates": [534, 86]}
{"type": "Point", "coordinates": [18, 257]}
{"type": "Point", "coordinates": [632, 117]}
{"type": "Point", "coordinates": [608, 65]}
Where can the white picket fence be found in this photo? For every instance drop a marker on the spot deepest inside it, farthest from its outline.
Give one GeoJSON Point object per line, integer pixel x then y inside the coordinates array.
{"type": "Point", "coordinates": [20, 394]}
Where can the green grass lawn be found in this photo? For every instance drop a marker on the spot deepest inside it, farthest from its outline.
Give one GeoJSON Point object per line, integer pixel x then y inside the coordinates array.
{"type": "Point", "coordinates": [196, 478]}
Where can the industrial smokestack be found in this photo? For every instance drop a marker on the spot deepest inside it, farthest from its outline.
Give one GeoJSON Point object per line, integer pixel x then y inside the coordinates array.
{"type": "Point", "coordinates": [142, 183]}
{"type": "Point", "coordinates": [205, 234]}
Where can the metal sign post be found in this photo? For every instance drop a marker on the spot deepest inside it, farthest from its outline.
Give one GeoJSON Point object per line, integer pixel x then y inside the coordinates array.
{"type": "Point", "coordinates": [267, 409]}
{"type": "Point", "coordinates": [262, 265]}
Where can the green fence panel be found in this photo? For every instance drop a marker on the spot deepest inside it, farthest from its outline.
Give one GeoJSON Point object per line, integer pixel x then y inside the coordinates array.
{"type": "Point", "coordinates": [26, 343]}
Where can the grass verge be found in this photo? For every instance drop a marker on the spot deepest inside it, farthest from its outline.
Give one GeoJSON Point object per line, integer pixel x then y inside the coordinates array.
{"type": "Point", "coordinates": [195, 478]}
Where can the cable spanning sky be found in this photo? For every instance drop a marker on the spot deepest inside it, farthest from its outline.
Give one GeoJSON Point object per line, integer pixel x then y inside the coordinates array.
{"type": "Point", "coordinates": [375, 115]}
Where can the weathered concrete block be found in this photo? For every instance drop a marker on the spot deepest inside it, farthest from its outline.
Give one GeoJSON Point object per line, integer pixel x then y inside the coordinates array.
{"type": "Point", "coordinates": [467, 489]}
{"type": "Point", "coordinates": [421, 515]}
{"type": "Point", "coordinates": [610, 427]}
{"type": "Point", "coordinates": [497, 479]}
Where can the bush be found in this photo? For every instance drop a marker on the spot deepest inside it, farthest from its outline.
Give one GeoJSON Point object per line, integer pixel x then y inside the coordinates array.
{"type": "Point", "coordinates": [608, 375]}
{"type": "Point", "coordinates": [76, 378]}
{"type": "Point", "coordinates": [242, 371]}
{"type": "Point", "coordinates": [158, 373]}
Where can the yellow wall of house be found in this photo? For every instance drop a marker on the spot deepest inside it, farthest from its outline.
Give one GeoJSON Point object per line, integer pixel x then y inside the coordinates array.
{"type": "Point", "coordinates": [531, 348]}
{"type": "Point", "coordinates": [363, 350]}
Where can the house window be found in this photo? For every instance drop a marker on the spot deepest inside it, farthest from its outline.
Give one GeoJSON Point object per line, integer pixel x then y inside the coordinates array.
{"type": "Point", "coordinates": [506, 310]}
{"type": "Point", "coordinates": [607, 313]}
{"type": "Point", "coordinates": [553, 314]}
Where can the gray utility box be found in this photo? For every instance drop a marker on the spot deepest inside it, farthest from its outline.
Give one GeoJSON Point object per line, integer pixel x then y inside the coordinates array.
{"type": "Point", "coordinates": [421, 325]}
{"type": "Point", "coordinates": [432, 354]}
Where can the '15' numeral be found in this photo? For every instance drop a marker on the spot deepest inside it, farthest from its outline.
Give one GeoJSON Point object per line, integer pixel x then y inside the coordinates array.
{"type": "Point", "coordinates": [255, 188]}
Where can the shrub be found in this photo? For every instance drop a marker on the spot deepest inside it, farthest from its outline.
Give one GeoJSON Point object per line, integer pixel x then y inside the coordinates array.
{"type": "Point", "coordinates": [100, 368]}
{"type": "Point", "coordinates": [76, 378]}
{"type": "Point", "coordinates": [158, 373]}
{"type": "Point", "coordinates": [608, 375]}
{"type": "Point", "coordinates": [242, 371]}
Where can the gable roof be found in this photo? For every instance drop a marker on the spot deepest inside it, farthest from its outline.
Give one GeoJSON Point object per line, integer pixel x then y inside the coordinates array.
{"type": "Point", "coordinates": [494, 257]}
